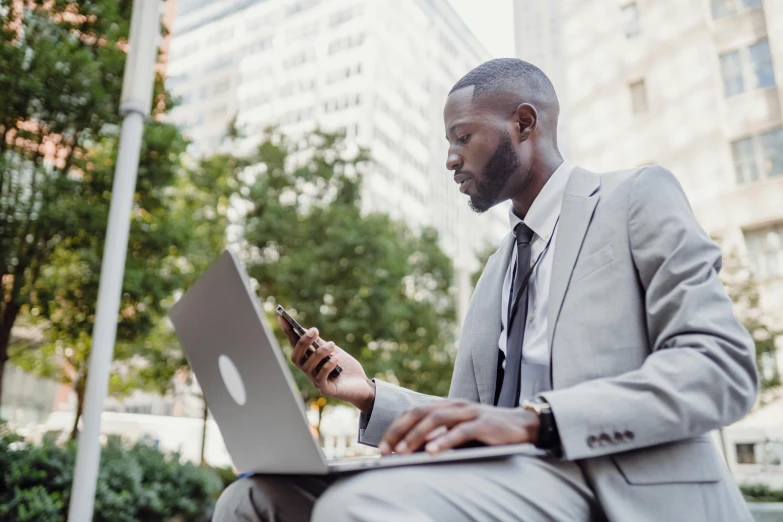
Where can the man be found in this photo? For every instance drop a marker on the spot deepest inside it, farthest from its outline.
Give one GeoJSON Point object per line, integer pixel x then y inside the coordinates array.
{"type": "Point", "coordinates": [601, 313]}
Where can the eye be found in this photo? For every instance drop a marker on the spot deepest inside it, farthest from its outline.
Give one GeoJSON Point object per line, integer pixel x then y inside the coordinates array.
{"type": "Point", "coordinates": [463, 139]}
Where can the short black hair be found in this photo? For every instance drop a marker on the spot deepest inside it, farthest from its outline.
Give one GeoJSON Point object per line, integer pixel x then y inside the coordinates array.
{"type": "Point", "coordinates": [507, 74]}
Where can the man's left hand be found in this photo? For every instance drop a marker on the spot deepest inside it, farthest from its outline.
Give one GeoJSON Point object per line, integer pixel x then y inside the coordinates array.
{"type": "Point", "coordinates": [447, 424]}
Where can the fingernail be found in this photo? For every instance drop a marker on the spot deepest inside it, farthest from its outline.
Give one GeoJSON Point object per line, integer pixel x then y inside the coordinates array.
{"type": "Point", "coordinates": [432, 447]}
{"type": "Point", "coordinates": [402, 447]}
{"type": "Point", "coordinates": [312, 332]}
{"type": "Point", "coordinates": [384, 447]}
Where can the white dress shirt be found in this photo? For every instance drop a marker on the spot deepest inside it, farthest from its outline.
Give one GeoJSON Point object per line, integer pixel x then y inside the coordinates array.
{"type": "Point", "coordinates": [542, 220]}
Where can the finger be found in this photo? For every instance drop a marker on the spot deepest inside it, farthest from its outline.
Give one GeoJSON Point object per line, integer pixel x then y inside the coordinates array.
{"type": "Point", "coordinates": [322, 377]}
{"type": "Point", "coordinates": [402, 425]}
{"type": "Point", "coordinates": [302, 346]}
{"type": "Point", "coordinates": [437, 432]}
{"type": "Point", "coordinates": [311, 366]}
{"type": "Point", "coordinates": [289, 332]}
{"type": "Point", "coordinates": [446, 417]}
{"type": "Point", "coordinates": [460, 434]}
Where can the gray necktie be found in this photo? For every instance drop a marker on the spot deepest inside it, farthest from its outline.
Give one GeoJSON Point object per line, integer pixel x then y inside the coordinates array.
{"type": "Point", "coordinates": [508, 385]}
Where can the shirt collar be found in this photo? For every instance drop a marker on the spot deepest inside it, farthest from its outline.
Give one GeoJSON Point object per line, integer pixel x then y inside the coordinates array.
{"type": "Point", "coordinates": [545, 210]}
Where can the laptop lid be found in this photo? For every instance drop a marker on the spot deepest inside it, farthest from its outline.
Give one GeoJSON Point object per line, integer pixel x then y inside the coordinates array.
{"type": "Point", "coordinates": [243, 374]}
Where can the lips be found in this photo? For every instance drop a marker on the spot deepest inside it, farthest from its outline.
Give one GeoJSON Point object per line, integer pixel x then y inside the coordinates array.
{"type": "Point", "coordinates": [464, 186]}
{"type": "Point", "coordinates": [462, 180]}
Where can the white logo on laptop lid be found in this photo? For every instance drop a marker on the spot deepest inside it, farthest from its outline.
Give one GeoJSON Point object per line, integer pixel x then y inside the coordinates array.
{"type": "Point", "coordinates": [232, 379]}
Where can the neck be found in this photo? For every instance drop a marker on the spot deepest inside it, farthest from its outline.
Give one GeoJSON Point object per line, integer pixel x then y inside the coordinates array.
{"type": "Point", "coordinates": [539, 174]}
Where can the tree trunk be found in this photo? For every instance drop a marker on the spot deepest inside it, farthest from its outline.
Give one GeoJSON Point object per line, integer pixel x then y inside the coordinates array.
{"type": "Point", "coordinates": [320, 418]}
{"type": "Point", "coordinates": [79, 388]}
{"type": "Point", "coordinates": [3, 360]}
{"type": "Point", "coordinates": [10, 312]}
{"type": "Point", "coordinates": [204, 434]}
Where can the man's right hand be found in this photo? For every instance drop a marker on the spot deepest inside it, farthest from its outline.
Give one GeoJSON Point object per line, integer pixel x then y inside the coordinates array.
{"type": "Point", "coordinates": [352, 385]}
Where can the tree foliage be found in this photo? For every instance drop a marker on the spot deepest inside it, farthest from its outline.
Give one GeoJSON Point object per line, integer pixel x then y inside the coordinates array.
{"type": "Point", "coordinates": [59, 129]}
{"type": "Point", "coordinates": [483, 257]}
{"type": "Point", "coordinates": [744, 293]}
{"type": "Point", "coordinates": [379, 290]}
{"type": "Point", "coordinates": [371, 284]}
{"type": "Point", "coordinates": [135, 482]}
{"type": "Point", "coordinates": [60, 80]}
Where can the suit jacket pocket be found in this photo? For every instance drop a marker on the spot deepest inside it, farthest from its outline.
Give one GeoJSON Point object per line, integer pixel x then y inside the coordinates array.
{"type": "Point", "coordinates": [593, 262]}
{"type": "Point", "coordinates": [692, 460]}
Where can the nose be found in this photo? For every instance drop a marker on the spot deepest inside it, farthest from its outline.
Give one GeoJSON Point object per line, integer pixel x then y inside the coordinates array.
{"type": "Point", "coordinates": [453, 162]}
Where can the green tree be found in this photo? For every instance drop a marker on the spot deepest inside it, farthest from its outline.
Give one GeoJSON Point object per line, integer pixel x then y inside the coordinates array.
{"type": "Point", "coordinates": [483, 257]}
{"type": "Point", "coordinates": [62, 64]}
{"type": "Point", "coordinates": [60, 81]}
{"type": "Point", "coordinates": [163, 234]}
{"type": "Point", "coordinates": [744, 293]}
{"type": "Point", "coordinates": [379, 290]}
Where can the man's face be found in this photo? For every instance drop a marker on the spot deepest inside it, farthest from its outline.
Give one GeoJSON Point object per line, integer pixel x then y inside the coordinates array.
{"type": "Point", "coordinates": [481, 151]}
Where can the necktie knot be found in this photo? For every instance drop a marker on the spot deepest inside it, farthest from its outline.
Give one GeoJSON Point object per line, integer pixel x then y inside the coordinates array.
{"type": "Point", "coordinates": [524, 234]}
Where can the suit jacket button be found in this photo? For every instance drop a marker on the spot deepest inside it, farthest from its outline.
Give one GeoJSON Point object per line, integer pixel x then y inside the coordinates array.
{"type": "Point", "coordinates": [604, 439]}
{"type": "Point", "coordinates": [619, 437]}
{"type": "Point", "coordinates": [629, 435]}
{"type": "Point", "coordinates": [591, 440]}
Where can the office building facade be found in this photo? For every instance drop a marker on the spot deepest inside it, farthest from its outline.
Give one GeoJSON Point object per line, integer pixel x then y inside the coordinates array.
{"type": "Point", "coordinates": [693, 85]}
{"type": "Point", "coordinates": [378, 70]}
{"type": "Point", "coordinates": [538, 39]}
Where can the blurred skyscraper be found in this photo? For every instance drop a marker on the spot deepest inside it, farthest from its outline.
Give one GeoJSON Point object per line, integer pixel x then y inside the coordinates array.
{"type": "Point", "coordinates": [538, 39]}
{"type": "Point", "coordinates": [694, 86]}
{"type": "Point", "coordinates": [378, 69]}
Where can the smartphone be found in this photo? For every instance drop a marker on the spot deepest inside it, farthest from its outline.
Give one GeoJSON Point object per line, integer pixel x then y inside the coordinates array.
{"type": "Point", "coordinates": [299, 331]}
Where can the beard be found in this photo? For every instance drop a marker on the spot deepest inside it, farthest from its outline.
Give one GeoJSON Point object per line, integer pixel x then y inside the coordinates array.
{"type": "Point", "coordinates": [501, 165]}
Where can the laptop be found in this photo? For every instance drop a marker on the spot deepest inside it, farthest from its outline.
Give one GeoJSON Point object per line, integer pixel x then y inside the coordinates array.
{"type": "Point", "coordinates": [251, 392]}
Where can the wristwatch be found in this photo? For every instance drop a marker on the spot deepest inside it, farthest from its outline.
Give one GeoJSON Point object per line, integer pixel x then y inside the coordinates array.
{"type": "Point", "coordinates": [548, 436]}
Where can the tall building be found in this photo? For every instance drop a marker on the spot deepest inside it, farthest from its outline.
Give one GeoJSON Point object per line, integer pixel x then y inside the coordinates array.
{"type": "Point", "coordinates": [379, 70]}
{"type": "Point", "coordinates": [695, 86]}
{"type": "Point", "coordinates": [538, 39]}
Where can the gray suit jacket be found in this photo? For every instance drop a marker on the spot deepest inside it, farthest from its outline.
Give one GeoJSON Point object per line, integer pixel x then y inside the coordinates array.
{"type": "Point", "coordinates": [647, 356]}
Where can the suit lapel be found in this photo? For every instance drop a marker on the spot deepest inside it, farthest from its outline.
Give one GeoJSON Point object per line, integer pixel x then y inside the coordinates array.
{"type": "Point", "coordinates": [579, 201]}
{"type": "Point", "coordinates": [482, 327]}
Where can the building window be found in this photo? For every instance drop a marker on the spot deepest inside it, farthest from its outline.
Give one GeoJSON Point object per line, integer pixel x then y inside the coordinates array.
{"type": "Point", "coordinates": [342, 16]}
{"type": "Point", "coordinates": [761, 60]}
{"type": "Point", "coordinates": [731, 70]}
{"type": "Point", "coordinates": [638, 97]}
{"type": "Point", "coordinates": [751, 66]}
{"type": "Point", "coordinates": [746, 453]}
{"type": "Point", "coordinates": [631, 20]}
{"type": "Point", "coordinates": [759, 157]}
{"type": "Point", "coordinates": [744, 161]}
{"type": "Point", "coordinates": [765, 251]}
{"type": "Point", "coordinates": [723, 8]}
{"type": "Point", "coordinates": [772, 152]}
{"type": "Point", "coordinates": [221, 86]}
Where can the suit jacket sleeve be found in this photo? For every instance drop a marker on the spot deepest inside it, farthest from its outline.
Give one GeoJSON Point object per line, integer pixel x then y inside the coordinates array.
{"type": "Point", "coordinates": [391, 401]}
{"type": "Point", "coordinates": [701, 373]}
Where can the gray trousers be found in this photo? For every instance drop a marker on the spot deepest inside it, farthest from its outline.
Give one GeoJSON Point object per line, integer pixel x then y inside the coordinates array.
{"type": "Point", "coordinates": [518, 488]}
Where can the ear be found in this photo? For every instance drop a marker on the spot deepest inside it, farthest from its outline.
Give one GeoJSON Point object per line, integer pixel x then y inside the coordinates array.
{"type": "Point", "coordinates": [525, 121]}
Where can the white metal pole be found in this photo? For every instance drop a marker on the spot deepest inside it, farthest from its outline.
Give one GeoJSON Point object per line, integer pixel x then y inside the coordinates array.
{"type": "Point", "coordinates": [112, 270]}
{"type": "Point", "coordinates": [135, 105]}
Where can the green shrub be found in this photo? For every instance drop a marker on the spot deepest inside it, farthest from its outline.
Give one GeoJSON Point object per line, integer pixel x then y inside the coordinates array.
{"type": "Point", "coordinates": [226, 475]}
{"type": "Point", "coordinates": [761, 493]}
{"type": "Point", "coordinates": [135, 483]}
